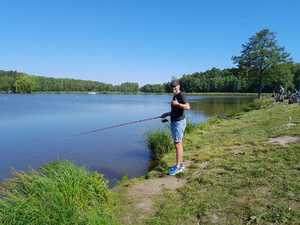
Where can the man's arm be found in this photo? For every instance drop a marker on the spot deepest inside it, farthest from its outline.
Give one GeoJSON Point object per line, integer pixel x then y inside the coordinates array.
{"type": "Point", "coordinates": [185, 106]}
{"type": "Point", "coordinates": [165, 115]}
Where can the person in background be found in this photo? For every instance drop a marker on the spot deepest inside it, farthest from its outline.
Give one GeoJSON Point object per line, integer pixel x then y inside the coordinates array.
{"type": "Point", "coordinates": [178, 123]}
{"type": "Point", "coordinates": [281, 93]}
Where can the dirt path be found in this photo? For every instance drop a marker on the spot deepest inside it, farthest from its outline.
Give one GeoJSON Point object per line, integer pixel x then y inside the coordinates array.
{"type": "Point", "coordinates": [143, 193]}
{"type": "Point", "coordinates": [283, 140]}
{"type": "Point", "coordinates": [140, 197]}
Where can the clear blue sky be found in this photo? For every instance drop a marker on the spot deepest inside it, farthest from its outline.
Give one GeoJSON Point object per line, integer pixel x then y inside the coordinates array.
{"type": "Point", "coordinates": [146, 41]}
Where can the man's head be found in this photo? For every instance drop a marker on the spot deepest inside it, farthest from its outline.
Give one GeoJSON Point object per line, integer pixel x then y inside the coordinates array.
{"type": "Point", "coordinates": [175, 86]}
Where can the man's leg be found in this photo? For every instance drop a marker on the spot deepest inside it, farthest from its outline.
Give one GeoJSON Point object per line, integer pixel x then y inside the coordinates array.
{"type": "Point", "coordinates": [179, 153]}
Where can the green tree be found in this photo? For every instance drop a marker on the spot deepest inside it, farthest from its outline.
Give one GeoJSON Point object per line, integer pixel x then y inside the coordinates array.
{"type": "Point", "coordinates": [153, 88]}
{"type": "Point", "coordinates": [281, 75]}
{"type": "Point", "coordinates": [296, 71]}
{"type": "Point", "coordinates": [24, 84]}
{"type": "Point", "coordinates": [128, 87]}
{"type": "Point", "coordinates": [260, 55]}
{"type": "Point", "coordinates": [5, 84]}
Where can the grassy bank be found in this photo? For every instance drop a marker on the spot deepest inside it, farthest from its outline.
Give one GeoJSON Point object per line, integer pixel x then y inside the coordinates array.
{"type": "Point", "coordinates": [58, 194]}
{"type": "Point", "coordinates": [227, 94]}
{"type": "Point", "coordinates": [235, 176]}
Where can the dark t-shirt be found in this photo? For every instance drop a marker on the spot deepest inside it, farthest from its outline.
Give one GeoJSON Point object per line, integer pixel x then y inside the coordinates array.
{"type": "Point", "coordinates": [177, 113]}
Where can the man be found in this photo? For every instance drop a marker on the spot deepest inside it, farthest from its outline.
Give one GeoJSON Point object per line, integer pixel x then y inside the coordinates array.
{"type": "Point", "coordinates": [281, 93]}
{"type": "Point", "coordinates": [178, 124]}
{"type": "Point", "coordinates": [298, 94]}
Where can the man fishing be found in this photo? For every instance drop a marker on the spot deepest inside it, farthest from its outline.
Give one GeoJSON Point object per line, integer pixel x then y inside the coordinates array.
{"type": "Point", "coordinates": [178, 124]}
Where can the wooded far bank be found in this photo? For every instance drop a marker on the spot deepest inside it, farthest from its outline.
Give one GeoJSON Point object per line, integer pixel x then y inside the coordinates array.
{"type": "Point", "coordinates": [262, 66]}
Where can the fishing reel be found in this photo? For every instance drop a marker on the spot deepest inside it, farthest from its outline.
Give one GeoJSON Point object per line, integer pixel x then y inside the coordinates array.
{"type": "Point", "coordinates": [164, 120]}
{"type": "Point", "coordinates": [163, 117]}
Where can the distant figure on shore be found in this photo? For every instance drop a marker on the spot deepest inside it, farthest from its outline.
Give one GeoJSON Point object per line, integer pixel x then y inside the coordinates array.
{"type": "Point", "coordinates": [178, 123]}
{"type": "Point", "coordinates": [294, 97]}
{"type": "Point", "coordinates": [279, 97]}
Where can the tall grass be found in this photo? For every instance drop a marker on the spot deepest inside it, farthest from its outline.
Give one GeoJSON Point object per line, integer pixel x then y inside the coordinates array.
{"type": "Point", "coordinates": [159, 142]}
{"type": "Point", "coordinates": [259, 104]}
{"type": "Point", "coordinates": [59, 193]}
{"type": "Point", "coordinates": [190, 127]}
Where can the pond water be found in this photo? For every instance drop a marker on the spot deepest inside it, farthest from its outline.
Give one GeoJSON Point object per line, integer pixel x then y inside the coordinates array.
{"type": "Point", "coordinates": [40, 128]}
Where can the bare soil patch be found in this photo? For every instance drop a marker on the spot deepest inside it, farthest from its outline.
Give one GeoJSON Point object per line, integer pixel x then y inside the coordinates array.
{"type": "Point", "coordinates": [283, 140]}
{"type": "Point", "coordinates": [143, 193]}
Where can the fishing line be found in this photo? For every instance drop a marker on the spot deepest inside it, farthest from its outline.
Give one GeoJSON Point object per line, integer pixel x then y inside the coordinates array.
{"type": "Point", "coordinates": [103, 129]}
{"type": "Point", "coordinates": [118, 125]}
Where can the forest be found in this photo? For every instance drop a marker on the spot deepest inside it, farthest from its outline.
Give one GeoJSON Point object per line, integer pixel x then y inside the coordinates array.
{"type": "Point", "coordinates": [16, 82]}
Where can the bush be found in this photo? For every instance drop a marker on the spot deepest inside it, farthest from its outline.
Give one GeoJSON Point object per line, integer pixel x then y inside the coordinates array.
{"type": "Point", "coordinates": [159, 142]}
{"type": "Point", "coordinates": [58, 194]}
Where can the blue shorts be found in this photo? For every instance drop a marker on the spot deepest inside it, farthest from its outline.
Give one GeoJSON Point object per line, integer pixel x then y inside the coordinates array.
{"type": "Point", "coordinates": [177, 130]}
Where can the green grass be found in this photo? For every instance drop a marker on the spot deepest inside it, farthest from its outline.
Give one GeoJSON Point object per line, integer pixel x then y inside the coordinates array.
{"type": "Point", "coordinates": [58, 194]}
{"type": "Point", "coordinates": [258, 104]}
{"type": "Point", "coordinates": [228, 94]}
{"type": "Point", "coordinates": [159, 142]}
{"type": "Point", "coordinates": [248, 181]}
{"type": "Point", "coordinates": [190, 127]}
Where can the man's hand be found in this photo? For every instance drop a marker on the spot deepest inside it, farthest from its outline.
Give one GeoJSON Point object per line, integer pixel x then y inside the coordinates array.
{"type": "Point", "coordinates": [175, 103]}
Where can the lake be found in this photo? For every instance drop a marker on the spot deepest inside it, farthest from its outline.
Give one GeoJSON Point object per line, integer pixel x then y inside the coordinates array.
{"type": "Point", "coordinates": [40, 128]}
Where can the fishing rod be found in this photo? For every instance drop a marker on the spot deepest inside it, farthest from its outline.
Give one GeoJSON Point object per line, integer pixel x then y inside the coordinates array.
{"type": "Point", "coordinates": [111, 127]}
{"type": "Point", "coordinates": [124, 124]}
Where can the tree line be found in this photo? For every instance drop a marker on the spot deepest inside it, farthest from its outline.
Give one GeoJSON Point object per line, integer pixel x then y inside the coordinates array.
{"type": "Point", "coordinates": [213, 80]}
{"type": "Point", "coordinates": [234, 80]}
{"type": "Point", "coordinates": [15, 82]}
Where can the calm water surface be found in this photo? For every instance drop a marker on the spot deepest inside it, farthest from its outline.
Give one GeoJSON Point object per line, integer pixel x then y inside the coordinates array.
{"type": "Point", "coordinates": [40, 128]}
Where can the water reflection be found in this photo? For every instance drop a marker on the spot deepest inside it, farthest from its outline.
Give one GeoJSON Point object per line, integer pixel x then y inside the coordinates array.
{"type": "Point", "coordinates": [211, 106]}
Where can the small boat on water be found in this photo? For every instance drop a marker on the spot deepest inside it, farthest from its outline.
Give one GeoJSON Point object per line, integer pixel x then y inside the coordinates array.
{"type": "Point", "coordinates": [92, 93]}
